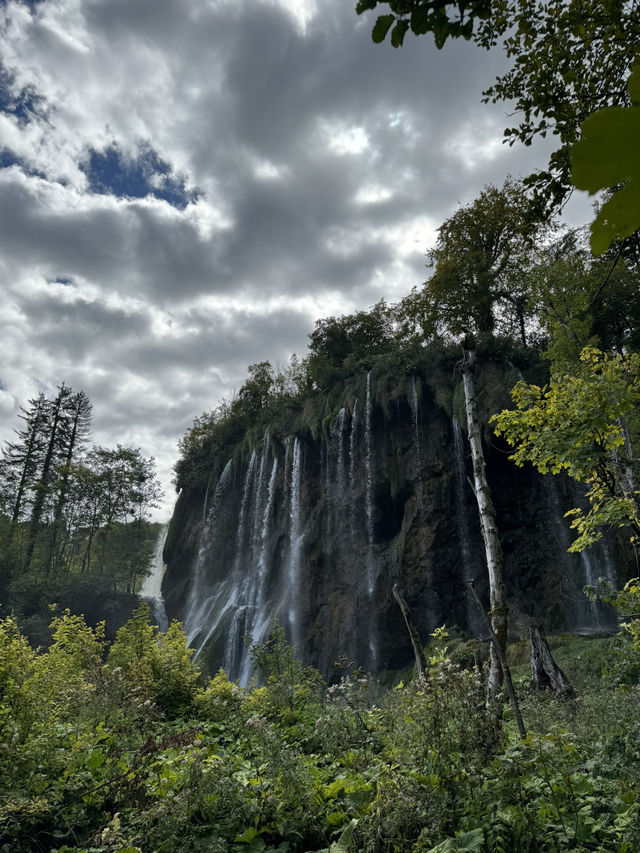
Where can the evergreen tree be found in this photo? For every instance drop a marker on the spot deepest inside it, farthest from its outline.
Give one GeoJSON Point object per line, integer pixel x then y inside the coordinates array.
{"type": "Point", "coordinates": [77, 424]}
{"type": "Point", "coordinates": [21, 459]}
{"type": "Point", "coordinates": [56, 414]}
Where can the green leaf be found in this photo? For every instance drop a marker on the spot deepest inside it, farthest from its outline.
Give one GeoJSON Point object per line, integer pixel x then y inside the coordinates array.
{"type": "Point", "coordinates": [470, 842]}
{"type": "Point", "coordinates": [607, 155]}
{"type": "Point", "coordinates": [342, 844]}
{"type": "Point", "coordinates": [381, 28]}
{"type": "Point", "coordinates": [96, 759]}
{"type": "Point", "coordinates": [398, 33]}
{"type": "Point", "coordinates": [618, 218]}
{"type": "Point", "coordinates": [420, 20]}
{"type": "Point", "coordinates": [249, 835]}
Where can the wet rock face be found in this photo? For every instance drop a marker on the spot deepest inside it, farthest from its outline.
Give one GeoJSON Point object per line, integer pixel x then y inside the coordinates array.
{"type": "Point", "coordinates": [316, 531]}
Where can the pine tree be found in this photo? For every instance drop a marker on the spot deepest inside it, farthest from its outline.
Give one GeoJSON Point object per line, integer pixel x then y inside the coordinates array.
{"type": "Point", "coordinates": [57, 415]}
{"type": "Point", "coordinates": [22, 459]}
{"type": "Point", "coordinates": [77, 425]}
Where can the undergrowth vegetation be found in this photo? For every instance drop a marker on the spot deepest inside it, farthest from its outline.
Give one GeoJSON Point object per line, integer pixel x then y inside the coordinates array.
{"type": "Point", "coordinates": [131, 748]}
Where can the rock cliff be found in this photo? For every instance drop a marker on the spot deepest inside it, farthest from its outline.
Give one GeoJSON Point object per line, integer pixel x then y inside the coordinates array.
{"type": "Point", "coordinates": [315, 527]}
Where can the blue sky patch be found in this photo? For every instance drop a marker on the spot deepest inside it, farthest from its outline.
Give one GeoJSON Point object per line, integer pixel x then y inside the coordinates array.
{"type": "Point", "coordinates": [109, 172]}
{"type": "Point", "coordinates": [8, 158]}
{"type": "Point", "coordinates": [24, 104]}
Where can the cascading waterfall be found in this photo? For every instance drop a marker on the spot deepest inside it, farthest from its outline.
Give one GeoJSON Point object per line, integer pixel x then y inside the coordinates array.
{"type": "Point", "coordinates": [325, 467]}
{"type": "Point", "coordinates": [371, 568]}
{"type": "Point", "coordinates": [151, 589]}
{"type": "Point", "coordinates": [339, 435]}
{"type": "Point", "coordinates": [233, 646]}
{"type": "Point", "coordinates": [254, 610]}
{"type": "Point", "coordinates": [259, 496]}
{"type": "Point", "coordinates": [415, 410]}
{"type": "Point", "coordinates": [200, 609]}
{"type": "Point", "coordinates": [463, 523]}
{"type": "Point", "coordinates": [241, 531]}
{"type": "Point", "coordinates": [336, 449]}
{"type": "Point", "coordinates": [609, 567]}
{"type": "Point", "coordinates": [263, 548]}
{"type": "Point", "coordinates": [588, 615]}
{"type": "Point", "coordinates": [369, 490]}
{"type": "Point", "coordinates": [353, 437]}
{"type": "Point", "coordinates": [296, 537]}
{"type": "Point", "coordinates": [417, 448]}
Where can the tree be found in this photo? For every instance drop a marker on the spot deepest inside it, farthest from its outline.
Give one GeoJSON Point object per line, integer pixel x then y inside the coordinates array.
{"type": "Point", "coordinates": [154, 665]}
{"type": "Point", "coordinates": [338, 344]}
{"type": "Point", "coordinates": [255, 392]}
{"type": "Point", "coordinates": [488, 524]}
{"type": "Point", "coordinates": [56, 414]}
{"type": "Point", "coordinates": [570, 58]}
{"type": "Point", "coordinates": [584, 423]}
{"type": "Point", "coordinates": [607, 156]}
{"type": "Point", "coordinates": [125, 486]}
{"type": "Point", "coordinates": [580, 301]}
{"type": "Point", "coordinates": [480, 262]}
{"type": "Point", "coordinates": [78, 427]}
{"type": "Point", "coordinates": [20, 460]}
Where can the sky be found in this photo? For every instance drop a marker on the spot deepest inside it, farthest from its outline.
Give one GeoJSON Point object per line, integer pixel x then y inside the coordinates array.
{"type": "Point", "coordinates": [186, 187]}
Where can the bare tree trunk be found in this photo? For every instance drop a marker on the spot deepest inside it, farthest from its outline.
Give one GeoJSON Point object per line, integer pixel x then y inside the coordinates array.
{"type": "Point", "coordinates": [488, 526]}
{"type": "Point", "coordinates": [502, 662]}
{"type": "Point", "coordinates": [421, 664]}
{"type": "Point", "coordinates": [545, 672]}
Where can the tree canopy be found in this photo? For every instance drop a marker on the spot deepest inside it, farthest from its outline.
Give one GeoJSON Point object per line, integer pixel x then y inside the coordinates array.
{"type": "Point", "coordinates": [480, 261]}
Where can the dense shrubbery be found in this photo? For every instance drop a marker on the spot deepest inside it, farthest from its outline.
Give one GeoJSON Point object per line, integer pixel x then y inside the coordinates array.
{"type": "Point", "coordinates": [132, 748]}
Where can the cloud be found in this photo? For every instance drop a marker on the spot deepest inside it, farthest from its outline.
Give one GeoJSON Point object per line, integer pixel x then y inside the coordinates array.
{"type": "Point", "coordinates": [187, 187]}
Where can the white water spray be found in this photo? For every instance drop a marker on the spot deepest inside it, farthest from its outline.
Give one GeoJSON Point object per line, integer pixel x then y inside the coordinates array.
{"type": "Point", "coordinates": [151, 589]}
{"type": "Point", "coordinates": [296, 537]}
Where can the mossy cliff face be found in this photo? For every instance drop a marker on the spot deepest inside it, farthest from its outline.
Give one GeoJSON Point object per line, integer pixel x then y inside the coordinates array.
{"type": "Point", "coordinates": [315, 530]}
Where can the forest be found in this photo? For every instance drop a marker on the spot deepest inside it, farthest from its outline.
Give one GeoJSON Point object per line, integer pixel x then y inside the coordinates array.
{"type": "Point", "coordinates": [74, 517]}
{"type": "Point", "coordinates": [125, 743]}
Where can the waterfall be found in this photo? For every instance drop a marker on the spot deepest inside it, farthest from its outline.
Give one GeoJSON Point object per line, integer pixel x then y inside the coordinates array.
{"type": "Point", "coordinates": [353, 435]}
{"type": "Point", "coordinates": [352, 444]}
{"type": "Point", "coordinates": [249, 599]}
{"type": "Point", "coordinates": [151, 589]}
{"type": "Point", "coordinates": [371, 568]}
{"type": "Point", "coordinates": [259, 495]}
{"type": "Point", "coordinates": [582, 569]}
{"type": "Point", "coordinates": [609, 568]}
{"type": "Point", "coordinates": [369, 490]}
{"type": "Point", "coordinates": [463, 524]}
{"type": "Point", "coordinates": [200, 604]}
{"type": "Point", "coordinates": [296, 536]}
{"type": "Point", "coordinates": [325, 467]}
{"type": "Point", "coordinates": [241, 531]}
{"type": "Point", "coordinates": [338, 489]}
{"type": "Point", "coordinates": [262, 564]}
{"type": "Point", "coordinates": [415, 410]}
{"type": "Point", "coordinates": [339, 435]}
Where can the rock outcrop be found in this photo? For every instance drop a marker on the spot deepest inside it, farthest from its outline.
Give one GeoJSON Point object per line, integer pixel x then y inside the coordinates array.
{"type": "Point", "coordinates": [314, 528]}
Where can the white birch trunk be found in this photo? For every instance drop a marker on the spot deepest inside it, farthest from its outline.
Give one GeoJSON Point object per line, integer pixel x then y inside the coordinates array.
{"type": "Point", "coordinates": [488, 526]}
